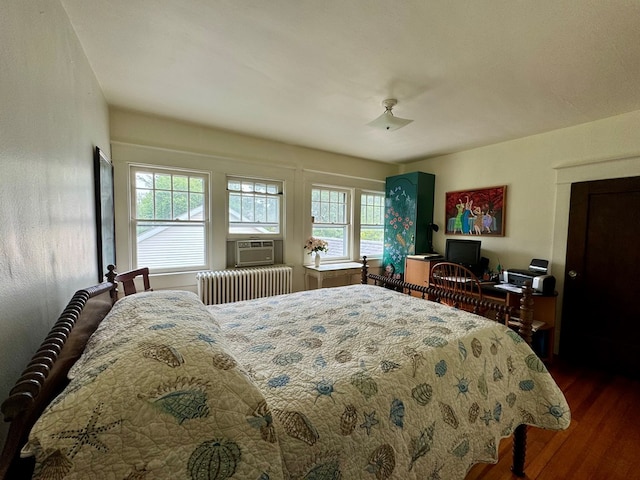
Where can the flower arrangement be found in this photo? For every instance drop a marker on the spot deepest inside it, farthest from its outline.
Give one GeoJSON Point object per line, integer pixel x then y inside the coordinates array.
{"type": "Point", "coordinates": [315, 245]}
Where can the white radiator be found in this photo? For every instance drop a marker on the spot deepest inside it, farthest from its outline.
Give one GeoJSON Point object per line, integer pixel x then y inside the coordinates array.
{"type": "Point", "coordinates": [224, 286]}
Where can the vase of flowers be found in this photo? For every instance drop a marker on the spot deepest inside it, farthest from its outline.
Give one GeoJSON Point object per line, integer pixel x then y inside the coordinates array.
{"type": "Point", "coordinates": [315, 246]}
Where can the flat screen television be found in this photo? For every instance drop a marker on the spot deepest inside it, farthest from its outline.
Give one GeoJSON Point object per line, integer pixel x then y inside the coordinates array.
{"type": "Point", "coordinates": [464, 252]}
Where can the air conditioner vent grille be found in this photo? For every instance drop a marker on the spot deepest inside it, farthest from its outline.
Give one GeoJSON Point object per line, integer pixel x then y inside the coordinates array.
{"type": "Point", "coordinates": [254, 252]}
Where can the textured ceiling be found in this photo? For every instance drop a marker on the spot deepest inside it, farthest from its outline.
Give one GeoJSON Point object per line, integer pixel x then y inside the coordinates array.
{"type": "Point", "coordinates": [314, 73]}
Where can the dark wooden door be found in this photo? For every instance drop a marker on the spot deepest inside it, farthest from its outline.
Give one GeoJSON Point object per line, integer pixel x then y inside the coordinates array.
{"type": "Point", "coordinates": [601, 306]}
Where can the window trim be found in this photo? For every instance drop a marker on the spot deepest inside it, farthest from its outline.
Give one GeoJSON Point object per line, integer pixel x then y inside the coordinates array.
{"type": "Point", "coordinates": [349, 221]}
{"type": "Point", "coordinates": [354, 232]}
{"type": "Point", "coordinates": [366, 191]}
{"type": "Point", "coordinates": [133, 221]}
{"type": "Point", "coordinates": [281, 208]}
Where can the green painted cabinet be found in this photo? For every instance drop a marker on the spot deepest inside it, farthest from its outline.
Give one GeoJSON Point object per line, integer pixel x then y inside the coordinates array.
{"type": "Point", "coordinates": [408, 218]}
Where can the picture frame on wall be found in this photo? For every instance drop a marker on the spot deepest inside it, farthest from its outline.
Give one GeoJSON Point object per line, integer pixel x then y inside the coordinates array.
{"type": "Point", "coordinates": [477, 212]}
{"type": "Point", "coordinates": [105, 212]}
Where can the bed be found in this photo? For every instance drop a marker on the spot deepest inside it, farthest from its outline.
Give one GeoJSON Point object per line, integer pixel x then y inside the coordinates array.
{"type": "Point", "coordinates": [349, 382]}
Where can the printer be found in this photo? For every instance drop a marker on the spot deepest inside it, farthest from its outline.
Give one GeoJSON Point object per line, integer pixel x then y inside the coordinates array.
{"type": "Point", "coordinates": [541, 282]}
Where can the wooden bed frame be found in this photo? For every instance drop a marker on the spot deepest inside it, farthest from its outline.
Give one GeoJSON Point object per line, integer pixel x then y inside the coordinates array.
{"type": "Point", "coordinates": [45, 376]}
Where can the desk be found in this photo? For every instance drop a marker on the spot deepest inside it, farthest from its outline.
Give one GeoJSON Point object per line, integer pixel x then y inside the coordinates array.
{"type": "Point", "coordinates": [544, 310]}
{"type": "Point", "coordinates": [417, 270]}
{"type": "Point", "coordinates": [330, 270]}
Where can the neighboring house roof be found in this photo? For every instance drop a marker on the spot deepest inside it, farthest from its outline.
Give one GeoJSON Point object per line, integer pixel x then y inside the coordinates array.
{"type": "Point", "coordinates": [170, 246]}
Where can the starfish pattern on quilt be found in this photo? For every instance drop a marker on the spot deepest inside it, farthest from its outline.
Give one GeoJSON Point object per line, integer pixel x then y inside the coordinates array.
{"type": "Point", "coordinates": [88, 435]}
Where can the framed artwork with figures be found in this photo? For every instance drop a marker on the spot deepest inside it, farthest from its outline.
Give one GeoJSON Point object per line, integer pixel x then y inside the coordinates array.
{"type": "Point", "coordinates": [477, 212]}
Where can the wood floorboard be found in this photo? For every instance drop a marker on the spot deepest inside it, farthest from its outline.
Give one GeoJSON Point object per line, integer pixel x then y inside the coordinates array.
{"type": "Point", "coordinates": [602, 442]}
{"type": "Point", "coordinates": [588, 433]}
{"type": "Point", "coordinates": [607, 435]}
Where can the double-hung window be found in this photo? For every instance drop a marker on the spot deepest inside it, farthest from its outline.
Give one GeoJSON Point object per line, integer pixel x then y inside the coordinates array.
{"type": "Point", "coordinates": [255, 206]}
{"type": "Point", "coordinates": [169, 219]}
{"type": "Point", "coordinates": [371, 224]}
{"type": "Point", "coordinates": [331, 209]}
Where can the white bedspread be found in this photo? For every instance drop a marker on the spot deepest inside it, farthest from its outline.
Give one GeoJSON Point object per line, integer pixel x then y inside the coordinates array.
{"type": "Point", "coordinates": [353, 382]}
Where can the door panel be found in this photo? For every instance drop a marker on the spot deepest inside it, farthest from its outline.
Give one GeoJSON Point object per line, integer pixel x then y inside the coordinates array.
{"type": "Point", "coordinates": [601, 307]}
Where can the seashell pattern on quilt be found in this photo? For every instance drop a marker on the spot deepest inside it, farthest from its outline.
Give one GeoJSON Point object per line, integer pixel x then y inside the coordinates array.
{"type": "Point", "coordinates": [350, 382]}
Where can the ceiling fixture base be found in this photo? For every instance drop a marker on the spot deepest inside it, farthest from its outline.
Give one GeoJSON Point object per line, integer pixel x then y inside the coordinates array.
{"type": "Point", "coordinates": [388, 121]}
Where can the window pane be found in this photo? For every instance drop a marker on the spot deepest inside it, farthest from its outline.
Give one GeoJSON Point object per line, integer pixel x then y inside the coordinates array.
{"type": "Point", "coordinates": [371, 212]}
{"type": "Point", "coordinates": [235, 205]}
{"type": "Point", "coordinates": [164, 246]}
{"type": "Point", "coordinates": [371, 241]}
{"type": "Point", "coordinates": [233, 185]}
{"type": "Point", "coordinates": [330, 210]}
{"type": "Point", "coordinates": [341, 214]}
{"type": "Point", "coordinates": [196, 199]}
{"type": "Point", "coordinates": [335, 237]}
{"type": "Point", "coordinates": [273, 211]}
{"type": "Point", "coordinates": [260, 209]}
{"type": "Point", "coordinates": [256, 210]}
{"type": "Point", "coordinates": [180, 205]}
{"type": "Point", "coordinates": [180, 183]}
{"type": "Point", "coordinates": [325, 214]}
{"type": "Point", "coordinates": [371, 224]}
{"type": "Point", "coordinates": [196, 184]}
{"type": "Point", "coordinates": [163, 205]}
{"type": "Point", "coordinates": [144, 204]}
{"type": "Point", "coordinates": [144, 180]}
{"type": "Point", "coordinates": [330, 206]}
{"type": "Point", "coordinates": [162, 181]}
{"type": "Point", "coordinates": [247, 209]}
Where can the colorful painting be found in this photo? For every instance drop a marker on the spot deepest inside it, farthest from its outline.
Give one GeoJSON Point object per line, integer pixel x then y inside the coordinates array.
{"type": "Point", "coordinates": [478, 212]}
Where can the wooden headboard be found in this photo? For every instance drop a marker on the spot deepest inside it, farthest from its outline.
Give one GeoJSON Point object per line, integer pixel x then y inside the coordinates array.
{"type": "Point", "coordinates": [45, 376]}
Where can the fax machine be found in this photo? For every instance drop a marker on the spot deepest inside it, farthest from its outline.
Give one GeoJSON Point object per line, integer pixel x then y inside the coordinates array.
{"type": "Point", "coordinates": [536, 274]}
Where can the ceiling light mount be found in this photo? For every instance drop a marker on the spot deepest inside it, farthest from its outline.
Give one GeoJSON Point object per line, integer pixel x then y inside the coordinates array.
{"type": "Point", "coordinates": [389, 103]}
{"type": "Point", "coordinates": [388, 121]}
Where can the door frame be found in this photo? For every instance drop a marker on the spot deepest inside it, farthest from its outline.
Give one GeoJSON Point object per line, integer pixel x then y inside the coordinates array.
{"type": "Point", "coordinates": [566, 174]}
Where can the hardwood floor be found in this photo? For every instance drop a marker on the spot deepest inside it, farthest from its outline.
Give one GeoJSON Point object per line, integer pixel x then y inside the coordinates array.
{"type": "Point", "coordinates": [602, 442]}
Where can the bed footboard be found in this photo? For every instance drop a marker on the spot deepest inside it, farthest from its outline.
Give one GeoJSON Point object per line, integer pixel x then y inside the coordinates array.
{"type": "Point", "coordinates": [500, 313]}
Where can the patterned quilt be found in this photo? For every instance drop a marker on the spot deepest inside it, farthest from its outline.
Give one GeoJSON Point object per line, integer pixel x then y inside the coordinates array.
{"type": "Point", "coordinates": [344, 383]}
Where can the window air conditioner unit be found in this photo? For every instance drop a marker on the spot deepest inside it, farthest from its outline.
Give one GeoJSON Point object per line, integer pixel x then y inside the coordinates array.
{"type": "Point", "coordinates": [254, 252]}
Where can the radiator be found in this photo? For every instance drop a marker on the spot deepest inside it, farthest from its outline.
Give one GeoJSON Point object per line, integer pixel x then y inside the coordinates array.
{"type": "Point", "coordinates": [224, 286]}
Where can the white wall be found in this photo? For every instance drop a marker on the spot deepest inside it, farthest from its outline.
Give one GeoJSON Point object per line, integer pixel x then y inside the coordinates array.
{"type": "Point", "coordinates": [52, 113]}
{"type": "Point", "coordinates": [143, 139]}
{"type": "Point", "coordinates": [538, 172]}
